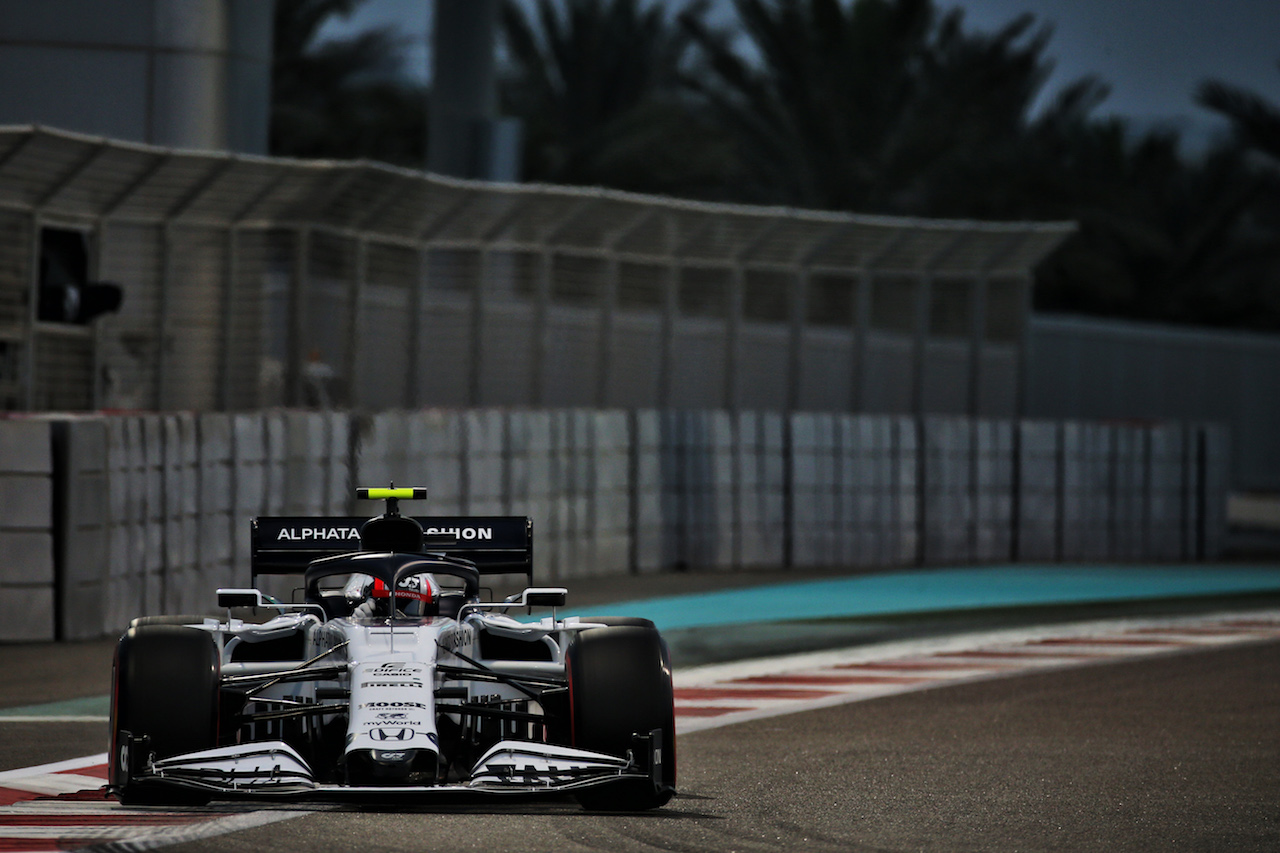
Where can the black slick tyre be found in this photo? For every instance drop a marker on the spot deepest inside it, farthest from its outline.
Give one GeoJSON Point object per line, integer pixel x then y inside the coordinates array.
{"type": "Point", "coordinates": [164, 687]}
{"type": "Point", "coordinates": [620, 686]}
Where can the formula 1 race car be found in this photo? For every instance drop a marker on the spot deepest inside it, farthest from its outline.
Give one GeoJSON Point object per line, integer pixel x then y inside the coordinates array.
{"type": "Point", "coordinates": [389, 676]}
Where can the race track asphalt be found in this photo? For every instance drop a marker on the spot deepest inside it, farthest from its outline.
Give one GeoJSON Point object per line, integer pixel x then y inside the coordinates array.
{"type": "Point", "coordinates": [1169, 753]}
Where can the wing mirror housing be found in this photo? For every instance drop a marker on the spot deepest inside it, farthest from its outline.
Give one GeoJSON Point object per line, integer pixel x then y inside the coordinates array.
{"type": "Point", "coordinates": [228, 598]}
{"type": "Point", "coordinates": [544, 597]}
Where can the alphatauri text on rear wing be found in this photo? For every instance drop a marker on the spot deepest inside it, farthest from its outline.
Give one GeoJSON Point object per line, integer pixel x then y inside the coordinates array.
{"type": "Point", "coordinates": [283, 545]}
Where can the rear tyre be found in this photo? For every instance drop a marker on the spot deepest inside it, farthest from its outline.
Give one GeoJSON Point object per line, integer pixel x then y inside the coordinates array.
{"type": "Point", "coordinates": [620, 686]}
{"type": "Point", "coordinates": [165, 687]}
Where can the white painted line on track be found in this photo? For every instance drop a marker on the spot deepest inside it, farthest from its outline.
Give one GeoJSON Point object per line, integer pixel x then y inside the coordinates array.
{"type": "Point", "coordinates": [53, 804]}
{"type": "Point", "coordinates": [724, 694]}
{"type": "Point", "coordinates": [56, 767]}
{"type": "Point", "coordinates": [39, 718]}
{"type": "Point", "coordinates": [53, 784]}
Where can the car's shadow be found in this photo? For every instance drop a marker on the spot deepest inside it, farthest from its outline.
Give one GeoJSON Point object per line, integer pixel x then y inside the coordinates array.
{"type": "Point", "coordinates": [553, 806]}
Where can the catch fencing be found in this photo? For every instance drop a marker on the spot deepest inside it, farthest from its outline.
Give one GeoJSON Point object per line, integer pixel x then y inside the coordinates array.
{"type": "Point", "coordinates": [251, 283]}
{"type": "Point", "coordinates": [107, 517]}
{"type": "Point", "coordinates": [1091, 369]}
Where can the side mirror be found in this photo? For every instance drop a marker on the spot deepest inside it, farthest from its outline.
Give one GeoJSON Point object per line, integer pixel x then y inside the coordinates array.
{"type": "Point", "coordinates": [229, 598]}
{"type": "Point", "coordinates": [544, 597]}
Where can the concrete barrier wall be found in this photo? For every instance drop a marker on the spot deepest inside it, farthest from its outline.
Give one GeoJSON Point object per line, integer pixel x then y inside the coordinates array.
{"type": "Point", "coordinates": [866, 495]}
{"type": "Point", "coordinates": [814, 490]}
{"type": "Point", "coordinates": [1129, 493]}
{"type": "Point", "coordinates": [1169, 480]}
{"type": "Point", "coordinates": [1087, 491]}
{"type": "Point", "coordinates": [1038, 502]}
{"type": "Point", "coordinates": [1216, 462]}
{"type": "Point", "coordinates": [80, 446]}
{"type": "Point", "coordinates": [611, 491]}
{"type": "Point", "coordinates": [103, 518]}
{"type": "Point", "coordinates": [649, 508]}
{"type": "Point", "coordinates": [535, 487]}
{"type": "Point", "coordinates": [994, 486]}
{"type": "Point", "coordinates": [761, 488]}
{"type": "Point", "coordinates": [26, 531]}
{"type": "Point", "coordinates": [907, 490]}
{"type": "Point", "coordinates": [948, 490]}
{"type": "Point", "coordinates": [565, 538]}
{"type": "Point", "coordinates": [697, 487]}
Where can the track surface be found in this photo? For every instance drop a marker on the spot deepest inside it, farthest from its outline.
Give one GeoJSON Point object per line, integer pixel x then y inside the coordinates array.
{"type": "Point", "coordinates": [1171, 752]}
{"type": "Point", "coordinates": [1176, 753]}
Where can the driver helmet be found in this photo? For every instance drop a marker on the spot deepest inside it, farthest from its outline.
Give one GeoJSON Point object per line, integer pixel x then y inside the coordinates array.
{"type": "Point", "coordinates": [416, 595]}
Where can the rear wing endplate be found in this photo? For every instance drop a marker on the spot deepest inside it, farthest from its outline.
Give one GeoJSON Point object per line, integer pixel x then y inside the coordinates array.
{"type": "Point", "coordinates": [497, 545]}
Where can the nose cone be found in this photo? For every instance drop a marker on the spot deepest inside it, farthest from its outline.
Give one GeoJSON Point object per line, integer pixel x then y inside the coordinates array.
{"type": "Point", "coordinates": [391, 733]}
{"type": "Point", "coordinates": [394, 765]}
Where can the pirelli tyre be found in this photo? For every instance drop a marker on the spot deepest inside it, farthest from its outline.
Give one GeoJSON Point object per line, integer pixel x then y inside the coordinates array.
{"type": "Point", "coordinates": [164, 689]}
{"type": "Point", "coordinates": [620, 687]}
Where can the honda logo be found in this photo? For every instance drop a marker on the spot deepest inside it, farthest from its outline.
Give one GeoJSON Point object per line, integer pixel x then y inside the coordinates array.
{"type": "Point", "coordinates": [391, 734]}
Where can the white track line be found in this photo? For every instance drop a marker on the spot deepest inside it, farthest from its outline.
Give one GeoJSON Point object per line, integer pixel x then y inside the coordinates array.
{"type": "Point", "coordinates": [724, 694]}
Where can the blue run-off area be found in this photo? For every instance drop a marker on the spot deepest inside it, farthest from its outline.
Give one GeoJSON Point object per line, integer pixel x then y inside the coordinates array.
{"type": "Point", "coordinates": [939, 590]}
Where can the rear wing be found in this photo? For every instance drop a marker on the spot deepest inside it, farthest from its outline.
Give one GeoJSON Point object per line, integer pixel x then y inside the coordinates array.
{"type": "Point", "coordinates": [497, 545]}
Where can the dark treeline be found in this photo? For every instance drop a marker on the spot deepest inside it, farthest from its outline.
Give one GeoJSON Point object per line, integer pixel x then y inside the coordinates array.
{"type": "Point", "coordinates": [342, 99]}
{"type": "Point", "coordinates": [874, 106]}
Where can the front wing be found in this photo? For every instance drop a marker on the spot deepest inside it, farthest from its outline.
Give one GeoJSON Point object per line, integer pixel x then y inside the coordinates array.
{"type": "Point", "coordinates": [274, 769]}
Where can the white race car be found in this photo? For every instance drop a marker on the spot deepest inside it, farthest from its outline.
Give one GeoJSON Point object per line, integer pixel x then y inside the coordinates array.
{"type": "Point", "coordinates": [429, 692]}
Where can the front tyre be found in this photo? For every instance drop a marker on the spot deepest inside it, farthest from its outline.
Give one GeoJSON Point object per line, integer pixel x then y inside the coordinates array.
{"type": "Point", "coordinates": [620, 686]}
{"type": "Point", "coordinates": [164, 687]}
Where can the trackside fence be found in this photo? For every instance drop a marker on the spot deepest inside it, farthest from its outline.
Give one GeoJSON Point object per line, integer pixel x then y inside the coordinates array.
{"type": "Point", "coordinates": [107, 517]}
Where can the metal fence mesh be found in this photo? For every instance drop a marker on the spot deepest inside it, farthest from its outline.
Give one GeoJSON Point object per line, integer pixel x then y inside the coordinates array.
{"type": "Point", "coordinates": [254, 282]}
{"type": "Point", "coordinates": [15, 277]}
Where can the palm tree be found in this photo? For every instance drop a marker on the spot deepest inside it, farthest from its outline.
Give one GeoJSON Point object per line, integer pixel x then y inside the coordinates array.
{"type": "Point", "coordinates": [875, 105]}
{"type": "Point", "coordinates": [1256, 121]}
{"type": "Point", "coordinates": [1257, 126]}
{"type": "Point", "coordinates": [1161, 237]}
{"type": "Point", "coordinates": [886, 105]}
{"type": "Point", "coordinates": [596, 84]}
{"type": "Point", "coordinates": [344, 98]}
